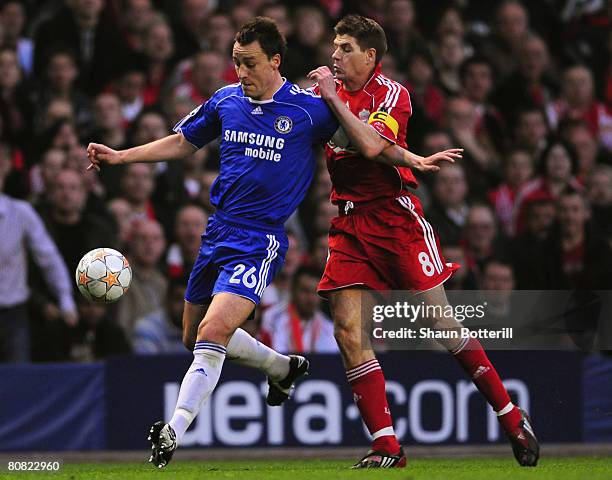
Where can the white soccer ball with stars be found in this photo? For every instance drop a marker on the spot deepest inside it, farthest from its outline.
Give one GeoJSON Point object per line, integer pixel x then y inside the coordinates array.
{"type": "Point", "coordinates": [103, 275]}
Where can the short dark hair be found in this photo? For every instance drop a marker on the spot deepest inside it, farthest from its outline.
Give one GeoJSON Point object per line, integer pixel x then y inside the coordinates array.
{"type": "Point", "coordinates": [265, 31]}
{"type": "Point", "coordinates": [475, 60]}
{"type": "Point", "coordinates": [366, 31]}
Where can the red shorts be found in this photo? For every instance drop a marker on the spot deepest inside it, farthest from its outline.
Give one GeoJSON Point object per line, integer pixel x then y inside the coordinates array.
{"type": "Point", "coordinates": [386, 246]}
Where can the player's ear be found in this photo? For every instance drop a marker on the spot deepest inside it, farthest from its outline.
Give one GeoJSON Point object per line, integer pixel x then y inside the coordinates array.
{"type": "Point", "coordinates": [371, 55]}
{"type": "Point", "coordinates": [276, 60]}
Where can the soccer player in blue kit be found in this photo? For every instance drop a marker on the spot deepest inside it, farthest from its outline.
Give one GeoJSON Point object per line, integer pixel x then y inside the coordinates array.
{"type": "Point", "coordinates": [269, 129]}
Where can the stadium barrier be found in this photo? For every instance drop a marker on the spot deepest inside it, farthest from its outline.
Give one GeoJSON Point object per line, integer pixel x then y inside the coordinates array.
{"type": "Point", "coordinates": [110, 405]}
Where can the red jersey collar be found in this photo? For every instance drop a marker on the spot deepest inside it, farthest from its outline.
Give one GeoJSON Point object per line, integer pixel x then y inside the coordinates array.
{"type": "Point", "coordinates": [369, 86]}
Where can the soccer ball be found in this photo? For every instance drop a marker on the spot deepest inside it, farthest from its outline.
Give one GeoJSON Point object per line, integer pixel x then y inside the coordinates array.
{"type": "Point", "coordinates": [103, 275]}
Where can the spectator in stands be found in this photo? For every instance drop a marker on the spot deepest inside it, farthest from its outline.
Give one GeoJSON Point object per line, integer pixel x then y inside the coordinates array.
{"type": "Point", "coordinates": [130, 88]}
{"type": "Point", "coordinates": [324, 213]}
{"type": "Point", "coordinates": [95, 338]}
{"type": "Point", "coordinates": [476, 75]}
{"type": "Point", "coordinates": [59, 84]}
{"type": "Point", "coordinates": [557, 167]}
{"type": "Point", "coordinates": [177, 107]}
{"type": "Point", "coordinates": [451, 21]}
{"type": "Point", "coordinates": [497, 275]}
{"type": "Point", "coordinates": [51, 119]}
{"type": "Point", "coordinates": [463, 277]}
{"type": "Point", "coordinates": [531, 271]}
{"type": "Point", "coordinates": [43, 174]}
{"type": "Point", "coordinates": [585, 260]}
{"type": "Point", "coordinates": [134, 19]}
{"type": "Point", "coordinates": [13, 21]}
{"type": "Point", "coordinates": [450, 56]}
{"type": "Point", "coordinates": [182, 183]}
{"type": "Point", "coordinates": [193, 14]}
{"type": "Point", "coordinates": [108, 120]}
{"type": "Point", "coordinates": [401, 29]}
{"type": "Point", "coordinates": [242, 11]}
{"type": "Point", "coordinates": [495, 290]}
{"type": "Point", "coordinates": [83, 26]}
{"type": "Point", "coordinates": [298, 325]}
{"type": "Point", "coordinates": [149, 286]}
{"type": "Point", "coordinates": [449, 206]}
{"type": "Point", "coordinates": [511, 27]}
{"type": "Point", "coordinates": [162, 331]}
{"type": "Point", "coordinates": [158, 51]}
{"type": "Point", "coordinates": [577, 101]}
{"type": "Point", "coordinates": [578, 135]}
{"type": "Point", "coordinates": [531, 130]}
{"type": "Point", "coordinates": [518, 170]}
{"type": "Point", "coordinates": [217, 32]}
{"type": "Point", "coordinates": [109, 128]}
{"type": "Point", "coordinates": [150, 125]}
{"type": "Point", "coordinates": [16, 109]}
{"type": "Point", "coordinates": [136, 188]}
{"type": "Point", "coordinates": [121, 212]}
{"type": "Point", "coordinates": [423, 91]}
{"type": "Point", "coordinates": [74, 232]}
{"type": "Point", "coordinates": [63, 135]}
{"type": "Point", "coordinates": [481, 240]}
{"type": "Point", "coordinates": [480, 157]}
{"type": "Point", "coordinates": [318, 253]}
{"type": "Point", "coordinates": [434, 140]}
{"type": "Point", "coordinates": [279, 12]}
{"type": "Point", "coordinates": [309, 31]}
{"type": "Point", "coordinates": [599, 194]}
{"type": "Point", "coordinates": [531, 84]}
{"type": "Point", "coordinates": [204, 77]}
{"type": "Point", "coordinates": [23, 232]}
{"type": "Point", "coordinates": [191, 221]}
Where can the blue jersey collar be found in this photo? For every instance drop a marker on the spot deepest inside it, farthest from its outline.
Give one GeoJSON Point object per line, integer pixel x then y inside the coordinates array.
{"type": "Point", "coordinates": [273, 95]}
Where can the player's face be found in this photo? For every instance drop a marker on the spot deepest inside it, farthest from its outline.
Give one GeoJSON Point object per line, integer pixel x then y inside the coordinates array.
{"type": "Point", "coordinates": [350, 62]}
{"type": "Point", "coordinates": [256, 72]}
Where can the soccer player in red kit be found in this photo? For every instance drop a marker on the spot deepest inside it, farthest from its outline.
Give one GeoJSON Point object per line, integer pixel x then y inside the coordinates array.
{"type": "Point", "coordinates": [381, 241]}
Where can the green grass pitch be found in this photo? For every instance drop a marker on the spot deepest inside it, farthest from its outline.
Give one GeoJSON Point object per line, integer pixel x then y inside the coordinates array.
{"type": "Point", "coordinates": [578, 468]}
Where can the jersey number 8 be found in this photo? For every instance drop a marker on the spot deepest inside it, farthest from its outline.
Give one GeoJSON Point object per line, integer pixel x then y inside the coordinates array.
{"type": "Point", "coordinates": [426, 265]}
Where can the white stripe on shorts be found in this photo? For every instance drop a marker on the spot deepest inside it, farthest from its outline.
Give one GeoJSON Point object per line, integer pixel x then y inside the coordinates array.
{"type": "Point", "coordinates": [430, 240]}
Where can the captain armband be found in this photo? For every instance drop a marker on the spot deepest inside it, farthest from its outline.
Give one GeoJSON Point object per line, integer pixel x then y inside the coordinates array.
{"type": "Point", "coordinates": [379, 118]}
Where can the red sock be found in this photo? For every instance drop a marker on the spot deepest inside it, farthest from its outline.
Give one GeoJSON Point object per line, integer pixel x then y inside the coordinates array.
{"type": "Point", "coordinates": [368, 386]}
{"type": "Point", "coordinates": [474, 360]}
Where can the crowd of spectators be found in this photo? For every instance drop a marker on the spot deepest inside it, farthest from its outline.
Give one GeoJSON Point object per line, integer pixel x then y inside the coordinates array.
{"type": "Point", "coordinates": [525, 88]}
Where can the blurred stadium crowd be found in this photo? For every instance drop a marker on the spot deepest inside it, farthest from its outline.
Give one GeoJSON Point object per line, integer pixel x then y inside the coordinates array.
{"type": "Point", "coordinates": [524, 88]}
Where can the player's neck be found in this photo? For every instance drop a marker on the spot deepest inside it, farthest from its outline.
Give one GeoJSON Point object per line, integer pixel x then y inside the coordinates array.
{"type": "Point", "coordinates": [357, 82]}
{"type": "Point", "coordinates": [269, 93]}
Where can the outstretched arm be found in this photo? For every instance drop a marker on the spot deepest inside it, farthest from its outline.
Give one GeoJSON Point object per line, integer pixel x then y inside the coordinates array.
{"type": "Point", "coordinates": [400, 157]}
{"type": "Point", "coordinates": [168, 148]}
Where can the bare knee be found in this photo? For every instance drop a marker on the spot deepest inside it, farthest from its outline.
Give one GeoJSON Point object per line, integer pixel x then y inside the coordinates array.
{"type": "Point", "coordinates": [215, 330]}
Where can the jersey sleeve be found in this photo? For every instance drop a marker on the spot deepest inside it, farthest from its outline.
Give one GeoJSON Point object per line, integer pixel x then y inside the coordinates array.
{"type": "Point", "coordinates": [201, 125]}
{"type": "Point", "coordinates": [325, 123]}
{"type": "Point", "coordinates": [392, 109]}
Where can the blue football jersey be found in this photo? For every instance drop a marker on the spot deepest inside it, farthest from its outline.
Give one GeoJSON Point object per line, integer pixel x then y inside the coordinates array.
{"type": "Point", "coordinates": [267, 148]}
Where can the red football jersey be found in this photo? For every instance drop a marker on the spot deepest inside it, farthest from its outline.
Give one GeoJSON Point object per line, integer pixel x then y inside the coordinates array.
{"type": "Point", "coordinates": [385, 105]}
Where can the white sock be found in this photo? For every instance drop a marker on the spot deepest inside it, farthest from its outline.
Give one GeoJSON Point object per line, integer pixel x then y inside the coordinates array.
{"type": "Point", "coordinates": [245, 350]}
{"type": "Point", "coordinates": [198, 383]}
